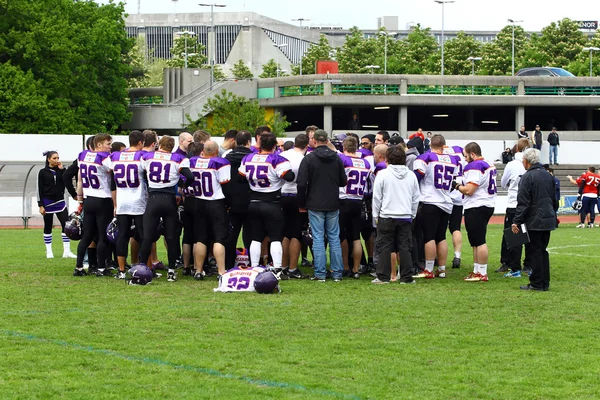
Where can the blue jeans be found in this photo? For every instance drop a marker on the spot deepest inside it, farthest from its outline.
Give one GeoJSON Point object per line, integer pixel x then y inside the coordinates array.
{"type": "Point", "coordinates": [554, 153]}
{"type": "Point", "coordinates": [326, 223]}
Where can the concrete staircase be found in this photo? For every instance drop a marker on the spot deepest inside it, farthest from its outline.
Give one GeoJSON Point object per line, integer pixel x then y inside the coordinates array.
{"type": "Point", "coordinates": [560, 171]}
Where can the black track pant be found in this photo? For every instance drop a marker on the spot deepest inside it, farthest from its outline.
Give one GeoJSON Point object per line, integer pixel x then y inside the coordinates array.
{"type": "Point", "coordinates": [124, 224]}
{"type": "Point", "coordinates": [161, 205]}
{"type": "Point", "coordinates": [237, 221]}
{"type": "Point", "coordinates": [97, 214]}
{"type": "Point", "coordinates": [62, 216]}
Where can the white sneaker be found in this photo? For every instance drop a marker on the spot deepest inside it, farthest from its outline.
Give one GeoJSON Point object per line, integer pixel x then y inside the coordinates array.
{"type": "Point", "coordinates": [68, 254]}
{"type": "Point", "coordinates": [49, 254]}
{"type": "Point", "coordinates": [580, 226]}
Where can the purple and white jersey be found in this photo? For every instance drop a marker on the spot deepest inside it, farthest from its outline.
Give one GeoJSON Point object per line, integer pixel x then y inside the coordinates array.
{"type": "Point", "coordinates": [264, 172]}
{"type": "Point", "coordinates": [239, 279]}
{"type": "Point", "coordinates": [483, 174]}
{"type": "Point", "coordinates": [94, 168]}
{"type": "Point", "coordinates": [163, 168]}
{"type": "Point", "coordinates": [209, 175]}
{"type": "Point", "coordinates": [457, 197]}
{"type": "Point", "coordinates": [132, 190]}
{"type": "Point", "coordinates": [367, 155]}
{"type": "Point", "coordinates": [435, 173]}
{"type": "Point", "coordinates": [357, 171]}
{"type": "Point", "coordinates": [295, 158]}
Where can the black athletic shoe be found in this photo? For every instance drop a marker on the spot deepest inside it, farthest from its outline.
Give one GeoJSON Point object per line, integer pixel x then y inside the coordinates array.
{"type": "Point", "coordinates": [356, 275]}
{"type": "Point", "coordinates": [155, 275]}
{"type": "Point", "coordinates": [456, 262]}
{"type": "Point", "coordinates": [105, 272]}
{"type": "Point", "coordinates": [317, 279]}
{"type": "Point", "coordinates": [79, 272]}
{"type": "Point", "coordinates": [187, 272]}
{"type": "Point", "coordinates": [92, 270]}
{"type": "Point", "coordinates": [346, 273]}
{"type": "Point", "coordinates": [503, 268]}
{"type": "Point", "coordinates": [171, 277]}
{"type": "Point", "coordinates": [295, 274]}
{"type": "Point", "coordinates": [199, 276]}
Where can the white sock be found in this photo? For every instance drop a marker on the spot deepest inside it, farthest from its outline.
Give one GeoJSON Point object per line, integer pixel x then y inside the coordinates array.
{"type": "Point", "coordinates": [475, 268]}
{"type": "Point", "coordinates": [48, 242]}
{"type": "Point", "coordinates": [441, 268]}
{"type": "Point", "coordinates": [171, 270]}
{"type": "Point", "coordinates": [66, 243]}
{"type": "Point", "coordinates": [429, 265]}
{"type": "Point", "coordinates": [255, 253]}
{"type": "Point", "coordinates": [277, 254]}
{"type": "Point", "coordinates": [457, 254]}
{"type": "Point", "coordinates": [483, 269]}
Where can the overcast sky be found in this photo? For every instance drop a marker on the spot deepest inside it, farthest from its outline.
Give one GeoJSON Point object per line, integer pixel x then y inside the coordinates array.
{"type": "Point", "coordinates": [461, 15]}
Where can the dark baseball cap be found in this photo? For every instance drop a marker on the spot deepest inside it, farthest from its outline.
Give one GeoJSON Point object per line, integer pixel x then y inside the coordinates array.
{"type": "Point", "coordinates": [321, 136]}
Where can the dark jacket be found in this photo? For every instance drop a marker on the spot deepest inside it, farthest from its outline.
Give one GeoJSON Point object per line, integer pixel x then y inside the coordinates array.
{"type": "Point", "coordinates": [522, 135]}
{"type": "Point", "coordinates": [320, 176]}
{"type": "Point", "coordinates": [237, 191]}
{"type": "Point", "coordinates": [536, 200]}
{"type": "Point", "coordinates": [354, 125]}
{"type": "Point", "coordinates": [553, 139]}
{"type": "Point", "coordinates": [68, 176]}
{"type": "Point", "coordinates": [50, 185]}
{"type": "Point", "coordinates": [538, 137]}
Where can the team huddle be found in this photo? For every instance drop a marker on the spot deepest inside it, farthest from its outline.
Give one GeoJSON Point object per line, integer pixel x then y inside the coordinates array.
{"type": "Point", "coordinates": [398, 197]}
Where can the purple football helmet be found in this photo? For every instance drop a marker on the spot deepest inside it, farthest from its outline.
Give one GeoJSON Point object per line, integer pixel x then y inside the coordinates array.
{"type": "Point", "coordinates": [266, 282]}
{"type": "Point", "coordinates": [140, 275]}
{"type": "Point", "coordinates": [112, 231]}
{"type": "Point", "coordinates": [73, 227]}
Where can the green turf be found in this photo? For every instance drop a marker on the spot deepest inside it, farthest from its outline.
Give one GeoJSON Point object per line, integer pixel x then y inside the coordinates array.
{"type": "Point", "coordinates": [99, 338]}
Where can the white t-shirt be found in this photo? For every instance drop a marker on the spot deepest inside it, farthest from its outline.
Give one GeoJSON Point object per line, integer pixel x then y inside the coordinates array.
{"type": "Point", "coordinates": [295, 158]}
{"type": "Point", "coordinates": [482, 174]}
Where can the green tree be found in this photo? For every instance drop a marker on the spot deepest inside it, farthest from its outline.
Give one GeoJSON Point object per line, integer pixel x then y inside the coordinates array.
{"type": "Point", "coordinates": [559, 44]}
{"type": "Point", "coordinates": [269, 70]}
{"type": "Point", "coordinates": [317, 51]}
{"type": "Point", "coordinates": [77, 53]}
{"type": "Point", "coordinates": [230, 111]}
{"type": "Point", "coordinates": [241, 71]}
{"type": "Point", "coordinates": [456, 52]}
{"type": "Point", "coordinates": [580, 66]}
{"type": "Point", "coordinates": [497, 55]}
{"type": "Point", "coordinates": [195, 52]}
{"type": "Point", "coordinates": [414, 55]}
{"type": "Point", "coordinates": [358, 52]}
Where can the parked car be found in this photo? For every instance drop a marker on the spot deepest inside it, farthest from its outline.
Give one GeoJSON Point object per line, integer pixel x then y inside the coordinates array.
{"type": "Point", "coordinates": [544, 71]}
{"type": "Point", "coordinates": [554, 72]}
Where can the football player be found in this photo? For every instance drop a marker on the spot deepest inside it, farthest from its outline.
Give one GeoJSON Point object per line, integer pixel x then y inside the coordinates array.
{"type": "Point", "coordinates": [95, 198]}
{"type": "Point", "coordinates": [479, 188]}
{"type": "Point", "coordinates": [435, 172]}
{"type": "Point", "coordinates": [590, 182]}
{"type": "Point", "coordinates": [457, 206]}
{"type": "Point", "coordinates": [294, 219]}
{"type": "Point", "coordinates": [211, 172]}
{"type": "Point", "coordinates": [357, 172]}
{"type": "Point", "coordinates": [132, 194]}
{"type": "Point", "coordinates": [189, 212]}
{"type": "Point", "coordinates": [266, 174]}
{"type": "Point", "coordinates": [163, 170]}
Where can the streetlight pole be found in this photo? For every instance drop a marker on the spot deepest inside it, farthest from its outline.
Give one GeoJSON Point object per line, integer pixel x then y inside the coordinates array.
{"type": "Point", "coordinates": [386, 34]}
{"type": "Point", "coordinates": [513, 22]}
{"type": "Point", "coordinates": [473, 59]}
{"type": "Point", "coordinates": [185, 36]}
{"type": "Point", "coordinates": [214, 44]}
{"type": "Point", "coordinates": [301, 20]}
{"type": "Point", "coordinates": [591, 50]}
{"type": "Point", "coordinates": [372, 68]}
{"type": "Point", "coordinates": [443, 3]}
{"type": "Point", "coordinates": [279, 46]}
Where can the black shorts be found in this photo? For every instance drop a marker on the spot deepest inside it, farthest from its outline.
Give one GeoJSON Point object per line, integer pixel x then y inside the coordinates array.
{"type": "Point", "coordinates": [266, 217]}
{"type": "Point", "coordinates": [211, 223]}
{"type": "Point", "coordinates": [350, 221]}
{"type": "Point", "coordinates": [476, 222]}
{"type": "Point", "coordinates": [455, 219]}
{"type": "Point", "coordinates": [433, 222]}
{"type": "Point", "coordinates": [293, 218]}
{"type": "Point", "coordinates": [189, 211]}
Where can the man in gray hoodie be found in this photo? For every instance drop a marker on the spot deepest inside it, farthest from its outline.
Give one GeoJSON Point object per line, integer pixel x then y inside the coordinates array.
{"type": "Point", "coordinates": [395, 200]}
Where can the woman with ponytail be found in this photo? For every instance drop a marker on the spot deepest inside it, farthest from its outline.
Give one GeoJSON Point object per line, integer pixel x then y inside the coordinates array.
{"type": "Point", "coordinates": [51, 200]}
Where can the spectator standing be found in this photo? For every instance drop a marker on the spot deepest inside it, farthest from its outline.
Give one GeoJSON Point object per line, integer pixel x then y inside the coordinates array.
{"type": "Point", "coordinates": [354, 124]}
{"type": "Point", "coordinates": [395, 201]}
{"type": "Point", "coordinates": [419, 134]}
{"type": "Point", "coordinates": [537, 138]}
{"type": "Point", "coordinates": [427, 142]}
{"type": "Point", "coordinates": [228, 142]}
{"type": "Point", "coordinates": [522, 134]}
{"type": "Point", "coordinates": [320, 176]}
{"type": "Point", "coordinates": [536, 208]}
{"type": "Point", "coordinates": [554, 142]}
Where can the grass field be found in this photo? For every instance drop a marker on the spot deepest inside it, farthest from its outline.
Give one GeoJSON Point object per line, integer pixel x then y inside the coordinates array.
{"type": "Point", "coordinates": [91, 337]}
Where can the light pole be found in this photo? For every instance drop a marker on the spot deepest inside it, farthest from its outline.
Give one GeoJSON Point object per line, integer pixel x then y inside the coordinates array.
{"type": "Point", "coordinates": [301, 20]}
{"type": "Point", "coordinates": [513, 22]}
{"type": "Point", "coordinates": [591, 50]}
{"type": "Point", "coordinates": [279, 46]}
{"type": "Point", "coordinates": [372, 68]}
{"type": "Point", "coordinates": [443, 3]}
{"type": "Point", "coordinates": [386, 34]}
{"type": "Point", "coordinates": [214, 41]}
{"type": "Point", "coordinates": [473, 59]}
{"type": "Point", "coordinates": [185, 36]}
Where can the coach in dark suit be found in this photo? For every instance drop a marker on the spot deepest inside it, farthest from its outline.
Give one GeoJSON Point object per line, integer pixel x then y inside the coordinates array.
{"type": "Point", "coordinates": [536, 208]}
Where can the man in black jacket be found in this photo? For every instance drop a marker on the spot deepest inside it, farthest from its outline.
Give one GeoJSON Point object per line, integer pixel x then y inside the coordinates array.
{"type": "Point", "coordinates": [238, 198]}
{"type": "Point", "coordinates": [536, 208]}
{"type": "Point", "coordinates": [320, 176]}
{"type": "Point", "coordinates": [554, 142]}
